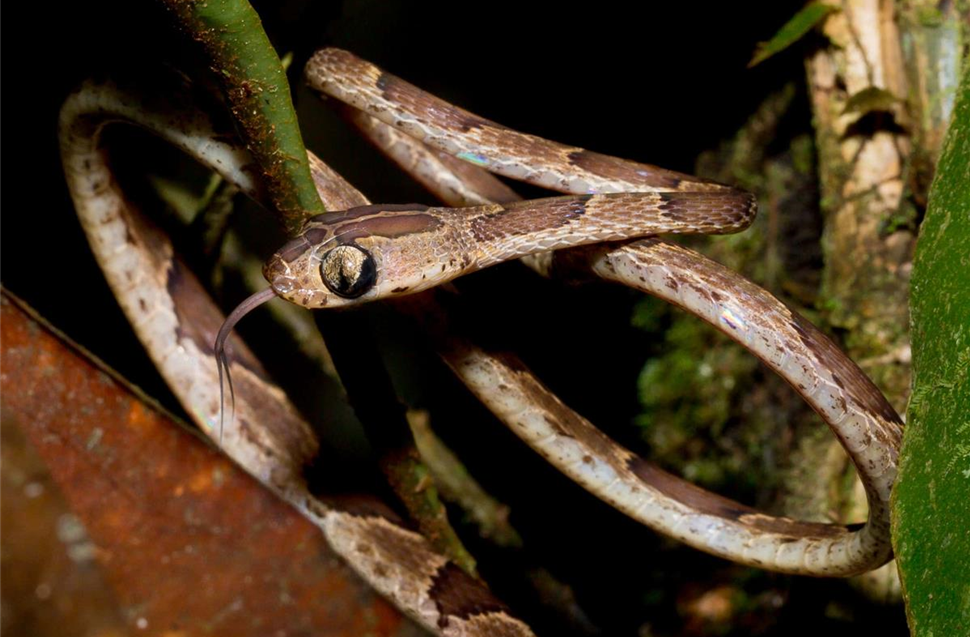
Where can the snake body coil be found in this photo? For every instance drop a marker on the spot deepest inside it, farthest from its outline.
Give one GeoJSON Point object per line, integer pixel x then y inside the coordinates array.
{"type": "Point", "coordinates": [375, 252]}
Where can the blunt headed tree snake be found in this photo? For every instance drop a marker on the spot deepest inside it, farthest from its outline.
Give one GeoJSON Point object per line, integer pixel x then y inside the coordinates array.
{"type": "Point", "coordinates": [367, 252]}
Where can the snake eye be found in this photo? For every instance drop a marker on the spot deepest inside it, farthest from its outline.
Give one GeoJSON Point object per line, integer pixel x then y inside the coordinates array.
{"type": "Point", "coordinates": [348, 271]}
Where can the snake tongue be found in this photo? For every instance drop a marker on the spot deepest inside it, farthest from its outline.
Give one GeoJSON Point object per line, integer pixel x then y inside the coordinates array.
{"type": "Point", "coordinates": [222, 362]}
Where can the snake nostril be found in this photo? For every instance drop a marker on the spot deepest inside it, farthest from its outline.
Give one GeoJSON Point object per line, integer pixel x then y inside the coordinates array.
{"type": "Point", "coordinates": [283, 285]}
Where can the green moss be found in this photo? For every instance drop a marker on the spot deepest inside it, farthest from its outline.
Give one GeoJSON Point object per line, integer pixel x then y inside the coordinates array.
{"type": "Point", "coordinates": [929, 16]}
{"type": "Point", "coordinates": [903, 218]}
{"type": "Point", "coordinates": [688, 396]}
{"type": "Point", "coordinates": [803, 154]}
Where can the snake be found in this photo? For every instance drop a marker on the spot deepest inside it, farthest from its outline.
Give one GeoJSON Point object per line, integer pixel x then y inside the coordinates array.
{"type": "Point", "coordinates": [605, 226]}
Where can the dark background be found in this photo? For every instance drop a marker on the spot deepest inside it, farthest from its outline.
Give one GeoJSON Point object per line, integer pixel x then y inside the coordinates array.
{"type": "Point", "coordinates": [654, 82]}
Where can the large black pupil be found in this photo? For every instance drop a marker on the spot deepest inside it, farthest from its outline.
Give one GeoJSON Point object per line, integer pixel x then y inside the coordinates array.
{"type": "Point", "coordinates": [348, 271]}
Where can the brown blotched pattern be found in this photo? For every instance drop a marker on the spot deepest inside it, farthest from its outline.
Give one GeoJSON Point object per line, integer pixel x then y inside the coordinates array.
{"type": "Point", "coordinates": [635, 173]}
{"type": "Point", "coordinates": [436, 111]}
{"type": "Point", "coordinates": [457, 594]}
{"type": "Point", "coordinates": [719, 506]}
{"type": "Point", "coordinates": [846, 374]}
{"type": "Point", "coordinates": [500, 233]}
{"type": "Point", "coordinates": [446, 127]}
{"type": "Point", "coordinates": [518, 220]}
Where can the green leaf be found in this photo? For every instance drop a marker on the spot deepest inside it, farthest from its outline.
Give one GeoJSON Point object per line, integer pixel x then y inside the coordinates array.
{"type": "Point", "coordinates": [870, 99]}
{"type": "Point", "coordinates": [931, 500]}
{"type": "Point", "coordinates": [804, 21]}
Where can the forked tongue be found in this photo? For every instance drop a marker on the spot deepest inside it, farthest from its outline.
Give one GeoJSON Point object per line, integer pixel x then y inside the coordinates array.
{"type": "Point", "coordinates": [222, 361]}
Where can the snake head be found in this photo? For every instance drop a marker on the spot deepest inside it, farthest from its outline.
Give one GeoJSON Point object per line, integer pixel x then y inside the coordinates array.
{"type": "Point", "coordinates": [358, 255]}
{"type": "Point", "coordinates": [315, 277]}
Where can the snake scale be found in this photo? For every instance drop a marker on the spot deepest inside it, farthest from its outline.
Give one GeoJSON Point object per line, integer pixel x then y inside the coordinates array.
{"type": "Point", "coordinates": [375, 252]}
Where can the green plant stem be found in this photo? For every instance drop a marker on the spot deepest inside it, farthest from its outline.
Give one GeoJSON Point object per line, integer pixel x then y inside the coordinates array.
{"type": "Point", "coordinates": [254, 83]}
{"type": "Point", "coordinates": [456, 484]}
{"type": "Point", "coordinates": [371, 393]}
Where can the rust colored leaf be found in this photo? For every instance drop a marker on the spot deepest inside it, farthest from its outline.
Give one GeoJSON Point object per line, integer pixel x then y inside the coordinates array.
{"type": "Point", "coordinates": [189, 543]}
